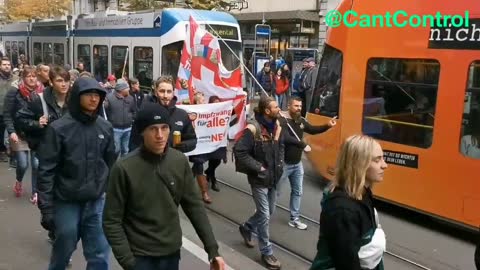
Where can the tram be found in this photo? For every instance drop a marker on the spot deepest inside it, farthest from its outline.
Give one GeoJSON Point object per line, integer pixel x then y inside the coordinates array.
{"type": "Point", "coordinates": [417, 91]}
{"type": "Point", "coordinates": [147, 44]}
{"type": "Point", "coordinates": [14, 39]}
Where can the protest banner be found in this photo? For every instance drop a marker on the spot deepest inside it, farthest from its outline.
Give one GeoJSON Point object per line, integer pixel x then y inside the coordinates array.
{"type": "Point", "coordinates": [211, 124]}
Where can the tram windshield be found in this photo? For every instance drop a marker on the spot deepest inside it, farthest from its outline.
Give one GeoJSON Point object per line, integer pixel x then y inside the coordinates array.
{"type": "Point", "coordinates": [231, 58]}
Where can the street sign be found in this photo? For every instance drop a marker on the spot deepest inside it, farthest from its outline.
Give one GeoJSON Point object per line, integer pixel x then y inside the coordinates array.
{"type": "Point", "coordinates": [263, 30]}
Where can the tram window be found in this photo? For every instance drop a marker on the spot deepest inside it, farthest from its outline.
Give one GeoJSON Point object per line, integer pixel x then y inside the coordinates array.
{"type": "Point", "coordinates": [171, 58]}
{"type": "Point", "coordinates": [21, 52]}
{"type": "Point", "coordinates": [326, 96]}
{"type": "Point", "coordinates": [37, 53]}
{"type": "Point", "coordinates": [118, 61]}
{"type": "Point", "coordinates": [14, 54]}
{"type": "Point", "coordinates": [143, 66]}
{"type": "Point", "coordinates": [83, 56]}
{"type": "Point", "coordinates": [47, 53]}
{"type": "Point", "coordinates": [58, 54]}
{"type": "Point", "coordinates": [8, 49]}
{"type": "Point", "coordinates": [470, 133]}
{"type": "Point", "coordinates": [400, 100]}
{"type": "Point", "coordinates": [100, 62]}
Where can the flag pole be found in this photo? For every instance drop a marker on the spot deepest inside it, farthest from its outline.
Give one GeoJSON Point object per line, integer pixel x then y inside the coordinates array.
{"type": "Point", "coordinates": [125, 62]}
{"type": "Point", "coordinates": [245, 68]}
{"type": "Point", "coordinates": [231, 50]}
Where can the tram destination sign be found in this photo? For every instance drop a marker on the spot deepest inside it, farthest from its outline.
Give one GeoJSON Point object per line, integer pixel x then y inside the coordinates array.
{"type": "Point", "coordinates": [464, 37]}
{"type": "Point", "coordinates": [401, 158]}
{"type": "Point", "coordinates": [117, 22]}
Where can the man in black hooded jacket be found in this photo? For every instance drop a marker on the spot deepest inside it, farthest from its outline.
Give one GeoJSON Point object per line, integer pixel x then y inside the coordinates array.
{"type": "Point", "coordinates": [75, 158]}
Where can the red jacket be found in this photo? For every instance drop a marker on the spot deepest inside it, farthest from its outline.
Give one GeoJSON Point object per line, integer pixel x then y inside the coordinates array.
{"type": "Point", "coordinates": [281, 85]}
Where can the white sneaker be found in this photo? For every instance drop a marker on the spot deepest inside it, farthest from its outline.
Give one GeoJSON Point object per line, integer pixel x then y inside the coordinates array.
{"type": "Point", "coordinates": [297, 224]}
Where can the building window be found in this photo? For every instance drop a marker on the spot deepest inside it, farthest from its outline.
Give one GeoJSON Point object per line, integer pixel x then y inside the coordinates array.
{"type": "Point", "coordinates": [143, 66]}
{"type": "Point", "coordinates": [37, 53]}
{"type": "Point", "coordinates": [400, 99]}
{"type": "Point", "coordinates": [59, 54]}
{"type": "Point", "coordinates": [326, 96]}
{"type": "Point", "coordinates": [119, 65]}
{"type": "Point", "coordinates": [470, 133]}
{"type": "Point", "coordinates": [83, 56]}
{"type": "Point", "coordinates": [171, 58]}
{"type": "Point", "coordinates": [100, 62]}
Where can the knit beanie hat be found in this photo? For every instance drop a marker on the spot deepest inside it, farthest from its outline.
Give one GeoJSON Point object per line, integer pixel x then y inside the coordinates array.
{"type": "Point", "coordinates": [121, 85]}
{"type": "Point", "coordinates": [151, 114]}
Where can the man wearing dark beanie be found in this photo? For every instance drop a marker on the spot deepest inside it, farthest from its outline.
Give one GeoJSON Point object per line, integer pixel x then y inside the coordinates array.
{"type": "Point", "coordinates": [141, 220]}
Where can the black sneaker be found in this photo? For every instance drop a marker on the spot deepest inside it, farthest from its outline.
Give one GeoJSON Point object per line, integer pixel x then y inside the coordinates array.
{"type": "Point", "coordinates": [51, 237]}
{"type": "Point", "coordinates": [271, 262]}
{"type": "Point", "coordinates": [247, 236]}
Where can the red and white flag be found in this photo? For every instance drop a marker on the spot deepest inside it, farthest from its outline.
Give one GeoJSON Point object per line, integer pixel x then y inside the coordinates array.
{"type": "Point", "coordinates": [201, 70]}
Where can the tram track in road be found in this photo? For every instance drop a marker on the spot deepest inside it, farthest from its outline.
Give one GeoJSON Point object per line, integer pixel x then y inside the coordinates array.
{"type": "Point", "coordinates": [314, 221]}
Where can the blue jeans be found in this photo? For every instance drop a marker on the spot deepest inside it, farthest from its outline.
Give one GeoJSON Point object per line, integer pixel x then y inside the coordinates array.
{"type": "Point", "coordinates": [293, 173]}
{"type": "Point", "coordinates": [22, 166]}
{"type": "Point", "coordinates": [265, 200]}
{"type": "Point", "coordinates": [170, 262]}
{"type": "Point", "coordinates": [281, 99]}
{"type": "Point", "coordinates": [121, 138]}
{"type": "Point", "coordinates": [75, 221]}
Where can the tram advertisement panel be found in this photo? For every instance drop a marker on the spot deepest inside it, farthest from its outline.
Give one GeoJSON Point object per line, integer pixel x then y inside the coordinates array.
{"type": "Point", "coordinates": [460, 37]}
{"type": "Point", "coordinates": [211, 123]}
{"type": "Point", "coordinates": [401, 158]}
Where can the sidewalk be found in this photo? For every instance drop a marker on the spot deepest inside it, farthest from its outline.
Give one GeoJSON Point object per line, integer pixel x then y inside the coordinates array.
{"type": "Point", "coordinates": [24, 243]}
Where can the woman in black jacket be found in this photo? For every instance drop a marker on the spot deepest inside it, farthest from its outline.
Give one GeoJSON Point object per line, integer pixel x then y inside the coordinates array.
{"type": "Point", "coordinates": [348, 222]}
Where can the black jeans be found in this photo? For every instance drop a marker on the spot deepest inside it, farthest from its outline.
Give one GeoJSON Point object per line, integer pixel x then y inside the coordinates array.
{"type": "Point", "coordinates": [169, 262]}
{"type": "Point", "coordinates": [2, 131]}
{"type": "Point", "coordinates": [212, 166]}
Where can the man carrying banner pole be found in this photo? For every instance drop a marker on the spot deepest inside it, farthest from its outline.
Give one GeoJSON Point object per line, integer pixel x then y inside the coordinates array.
{"type": "Point", "coordinates": [179, 120]}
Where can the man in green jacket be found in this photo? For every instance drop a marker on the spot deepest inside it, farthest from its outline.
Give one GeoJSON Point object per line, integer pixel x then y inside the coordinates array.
{"type": "Point", "coordinates": [141, 220]}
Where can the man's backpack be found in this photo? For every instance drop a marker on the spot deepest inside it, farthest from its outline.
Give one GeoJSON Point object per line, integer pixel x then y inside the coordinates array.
{"type": "Point", "coordinates": [258, 137]}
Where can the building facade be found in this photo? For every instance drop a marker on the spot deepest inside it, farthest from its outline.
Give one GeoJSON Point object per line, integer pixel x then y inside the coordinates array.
{"type": "Point", "coordinates": [294, 24]}
{"type": "Point", "coordinates": [90, 6]}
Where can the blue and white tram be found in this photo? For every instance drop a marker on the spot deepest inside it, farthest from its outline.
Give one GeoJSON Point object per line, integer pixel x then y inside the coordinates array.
{"type": "Point", "coordinates": [14, 40]}
{"type": "Point", "coordinates": [49, 43]}
{"type": "Point", "coordinates": [151, 43]}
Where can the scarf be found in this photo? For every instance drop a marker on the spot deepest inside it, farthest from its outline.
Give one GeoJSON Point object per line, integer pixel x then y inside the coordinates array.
{"type": "Point", "coordinates": [27, 94]}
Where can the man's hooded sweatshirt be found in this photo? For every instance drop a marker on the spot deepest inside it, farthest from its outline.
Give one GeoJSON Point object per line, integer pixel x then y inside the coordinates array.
{"type": "Point", "coordinates": [77, 153]}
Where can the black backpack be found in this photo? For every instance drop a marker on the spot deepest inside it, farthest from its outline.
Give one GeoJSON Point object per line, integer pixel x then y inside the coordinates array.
{"type": "Point", "coordinates": [258, 137]}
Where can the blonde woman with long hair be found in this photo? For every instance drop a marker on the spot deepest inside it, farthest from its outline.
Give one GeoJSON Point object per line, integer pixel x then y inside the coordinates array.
{"type": "Point", "coordinates": [350, 235]}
